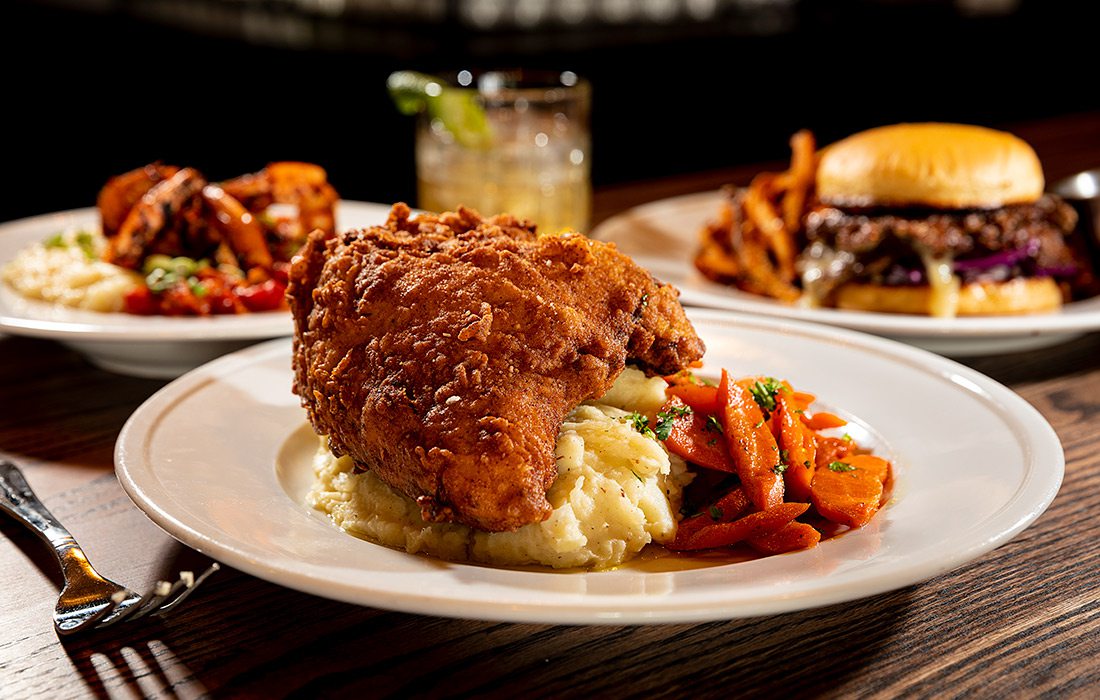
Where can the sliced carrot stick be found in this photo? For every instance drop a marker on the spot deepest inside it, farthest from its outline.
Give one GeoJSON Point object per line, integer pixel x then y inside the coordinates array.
{"type": "Point", "coordinates": [799, 449]}
{"type": "Point", "coordinates": [823, 421]}
{"type": "Point", "coordinates": [849, 492]}
{"type": "Point", "coordinates": [697, 439]}
{"type": "Point", "coordinates": [685, 376]}
{"type": "Point", "coordinates": [752, 445]}
{"type": "Point", "coordinates": [701, 398]}
{"type": "Point", "coordinates": [766, 388]}
{"type": "Point", "coordinates": [726, 509]}
{"type": "Point", "coordinates": [756, 524]}
{"type": "Point", "coordinates": [803, 400]}
{"type": "Point", "coordinates": [831, 449]}
{"type": "Point", "coordinates": [792, 536]}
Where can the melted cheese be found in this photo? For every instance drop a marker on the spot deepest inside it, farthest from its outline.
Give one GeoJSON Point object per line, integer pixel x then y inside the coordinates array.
{"type": "Point", "coordinates": [820, 266]}
{"type": "Point", "coordinates": [943, 283]}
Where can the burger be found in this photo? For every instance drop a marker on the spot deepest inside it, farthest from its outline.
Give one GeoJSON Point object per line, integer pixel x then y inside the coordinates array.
{"type": "Point", "coordinates": [939, 219]}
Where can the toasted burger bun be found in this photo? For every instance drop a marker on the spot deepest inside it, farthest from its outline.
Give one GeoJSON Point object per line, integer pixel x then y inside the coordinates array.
{"type": "Point", "coordinates": [950, 166]}
{"type": "Point", "coordinates": [1023, 295]}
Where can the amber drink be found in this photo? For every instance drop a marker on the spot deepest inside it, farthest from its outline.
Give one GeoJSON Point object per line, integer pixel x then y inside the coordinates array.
{"type": "Point", "coordinates": [531, 157]}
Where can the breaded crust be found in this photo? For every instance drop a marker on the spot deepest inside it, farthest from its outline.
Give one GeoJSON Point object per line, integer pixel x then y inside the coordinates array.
{"type": "Point", "coordinates": [443, 352]}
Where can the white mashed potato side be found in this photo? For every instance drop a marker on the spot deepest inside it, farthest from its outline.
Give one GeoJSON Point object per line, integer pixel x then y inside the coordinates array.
{"type": "Point", "coordinates": [66, 270]}
{"type": "Point", "coordinates": [617, 490]}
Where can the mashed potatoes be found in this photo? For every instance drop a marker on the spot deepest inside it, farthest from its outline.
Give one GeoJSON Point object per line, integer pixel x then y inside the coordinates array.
{"type": "Point", "coordinates": [66, 270]}
{"type": "Point", "coordinates": [617, 490]}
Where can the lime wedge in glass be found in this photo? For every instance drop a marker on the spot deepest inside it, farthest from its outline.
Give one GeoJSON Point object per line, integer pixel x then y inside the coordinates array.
{"type": "Point", "coordinates": [456, 108]}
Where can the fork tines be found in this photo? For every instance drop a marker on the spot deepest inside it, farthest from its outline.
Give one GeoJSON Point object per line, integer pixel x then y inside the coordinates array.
{"type": "Point", "coordinates": [162, 599]}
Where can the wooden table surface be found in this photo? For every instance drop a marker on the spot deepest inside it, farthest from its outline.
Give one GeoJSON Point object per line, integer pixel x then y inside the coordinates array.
{"type": "Point", "coordinates": [1023, 620]}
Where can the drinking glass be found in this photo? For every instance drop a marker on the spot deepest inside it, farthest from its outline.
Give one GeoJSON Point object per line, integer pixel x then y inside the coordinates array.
{"type": "Point", "coordinates": [533, 161]}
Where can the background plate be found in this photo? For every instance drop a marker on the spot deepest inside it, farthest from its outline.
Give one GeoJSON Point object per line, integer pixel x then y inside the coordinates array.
{"type": "Point", "coordinates": [149, 346]}
{"type": "Point", "coordinates": [662, 236]}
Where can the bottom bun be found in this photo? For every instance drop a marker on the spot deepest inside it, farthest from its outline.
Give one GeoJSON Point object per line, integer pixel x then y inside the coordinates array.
{"type": "Point", "coordinates": [1023, 295]}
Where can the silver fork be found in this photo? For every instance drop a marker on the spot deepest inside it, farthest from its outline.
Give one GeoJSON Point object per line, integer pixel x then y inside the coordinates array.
{"type": "Point", "coordinates": [87, 600]}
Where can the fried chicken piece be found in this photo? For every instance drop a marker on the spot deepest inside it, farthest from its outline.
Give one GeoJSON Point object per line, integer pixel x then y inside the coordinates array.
{"type": "Point", "coordinates": [443, 352]}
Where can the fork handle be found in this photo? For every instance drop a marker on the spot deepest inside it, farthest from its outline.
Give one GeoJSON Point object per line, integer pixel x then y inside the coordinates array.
{"type": "Point", "coordinates": [17, 498]}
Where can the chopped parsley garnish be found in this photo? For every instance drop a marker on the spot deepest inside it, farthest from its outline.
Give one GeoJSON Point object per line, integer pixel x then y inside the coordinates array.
{"type": "Point", "coordinates": [162, 273]}
{"type": "Point", "coordinates": [713, 425]}
{"type": "Point", "coordinates": [784, 455]}
{"type": "Point", "coordinates": [765, 392]}
{"type": "Point", "coordinates": [81, 239]}
{"type": "Point", "coordinates": [644, 302]}
{"type": "Point", "coordinates": [780, 468]}
{"type": "Point", "coordinates": [806, 463]}
{"type": "Point", "coordinates": [846, 437]}
{"type": "Point", "coordinates": [641, 424]}
{"type": "Point", "coordinates": [712, 442]}
{"type": "Point", "coordinates": [665, 419]}
{"type": "Point", "coordinates": [841, 467]}
{"type": "Point", "coordinates": [85, 242]}
{"type": "Point", "coordinates": [715, 513]}
{"type": "Point", "coordinates": [197, 287]}
{"type": "Point", "coordinates": [761, 423]}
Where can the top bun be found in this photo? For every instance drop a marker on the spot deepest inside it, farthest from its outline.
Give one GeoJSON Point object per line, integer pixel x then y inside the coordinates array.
{"type": "Point", "coordinates": [949, 166]}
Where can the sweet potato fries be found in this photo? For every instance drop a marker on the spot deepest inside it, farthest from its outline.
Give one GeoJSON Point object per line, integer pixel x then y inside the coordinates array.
{"type": "Point", "coordinates": [753, 242]}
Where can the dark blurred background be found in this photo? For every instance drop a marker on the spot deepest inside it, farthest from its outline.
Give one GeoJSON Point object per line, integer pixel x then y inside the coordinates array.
{"type": "Point", "coordinates": [98, 87]}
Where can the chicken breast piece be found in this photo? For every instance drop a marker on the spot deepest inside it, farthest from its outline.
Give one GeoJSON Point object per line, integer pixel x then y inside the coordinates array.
{"type": "Point", "coordinates": [443, 352]}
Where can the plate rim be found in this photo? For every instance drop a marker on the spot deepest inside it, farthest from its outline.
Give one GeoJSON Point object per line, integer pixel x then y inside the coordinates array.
{"type": "Point", "coordinates": [1043, 446]}
{"type": "Point", "coordinates": [1076, 317]}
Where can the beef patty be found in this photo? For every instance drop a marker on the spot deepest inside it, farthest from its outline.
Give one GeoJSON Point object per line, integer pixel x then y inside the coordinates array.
{"type": "Point", "coordinates": [885, 243]}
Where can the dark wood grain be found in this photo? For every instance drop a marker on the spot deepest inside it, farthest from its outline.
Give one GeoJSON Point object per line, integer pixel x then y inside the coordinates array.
{"type": "Point", "coordinates": [1021, 621]}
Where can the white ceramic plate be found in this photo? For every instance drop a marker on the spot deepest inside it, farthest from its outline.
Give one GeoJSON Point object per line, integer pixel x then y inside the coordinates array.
{"type": "Point", "coordinates": [220, 459]}
{"type": "Point", "coordinates": [662, 237]}
{"type": "Point", "coordinates": [147, 346]}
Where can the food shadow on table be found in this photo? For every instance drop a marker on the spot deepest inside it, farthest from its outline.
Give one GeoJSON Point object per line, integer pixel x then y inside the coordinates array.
{"type": "Point", "coordinates": [403, 655]}
{"type": "Point", "coordinates": [171, 557]}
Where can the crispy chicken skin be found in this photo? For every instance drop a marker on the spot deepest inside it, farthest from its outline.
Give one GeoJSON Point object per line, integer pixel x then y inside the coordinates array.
{"type": "Point", "coordinates": [443, 352]}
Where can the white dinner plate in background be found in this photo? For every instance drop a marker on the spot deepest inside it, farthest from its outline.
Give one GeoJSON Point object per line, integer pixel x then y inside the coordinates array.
{"type": "Point", "coordinates": [663, 236]}
{"type": "Point", "coordinates": [147, 346]}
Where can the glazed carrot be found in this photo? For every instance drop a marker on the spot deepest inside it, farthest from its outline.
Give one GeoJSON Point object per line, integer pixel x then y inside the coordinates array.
{"type": "Point", "coordinates": [849, 492]}
{"type": "Point", "coordinates": [752, 445]}
{"type": "Point", "coordinates": [764, 390]}
{"type": "Point", "coordinates": [701, 398]}
{"type": "Point", "coordinates": [697, 439]}
{"type": "Point", "coordinates": [684, 376]}
{"type": "Point", "coordinates": [823, 421]}
{"type": "Point", "coordinates": [758, 428]}
{"type": "Point", "coordinates": [831, 449]}
{"type": "Point", "coordinates": [727, 508]}
{"type": "Point", "coordinates": [799, 449]}
{"type": "Point", "coordinates": [756, 524]}
{"type": "Point", "coordinates": [803, 400]}
{"type": "Point", "coordinates": [792, 536]}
